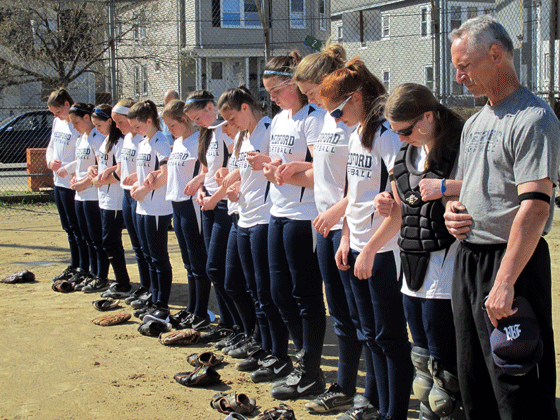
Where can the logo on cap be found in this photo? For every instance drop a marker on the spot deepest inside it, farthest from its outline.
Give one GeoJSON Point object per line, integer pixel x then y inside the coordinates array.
{"type": "Point", "coordinates": [512, 332]}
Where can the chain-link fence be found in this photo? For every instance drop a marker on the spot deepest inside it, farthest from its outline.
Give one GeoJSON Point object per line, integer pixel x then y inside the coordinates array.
{"type": "Point", "coordinates": [140, 49]}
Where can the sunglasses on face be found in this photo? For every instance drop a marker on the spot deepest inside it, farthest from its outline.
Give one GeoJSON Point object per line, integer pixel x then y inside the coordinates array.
{"type": "Point", "coordinates": [405, 132]}
{"type": "Point", "coordinates": [338, 112]}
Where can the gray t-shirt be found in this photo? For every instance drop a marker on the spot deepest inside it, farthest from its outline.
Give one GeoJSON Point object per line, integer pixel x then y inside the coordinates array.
{"type": "Point", "coordinates": [502, 146]}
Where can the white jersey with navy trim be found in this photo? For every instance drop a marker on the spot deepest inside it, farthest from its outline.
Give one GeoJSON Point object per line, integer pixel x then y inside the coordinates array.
{"type": "Point", "coordinates": [254, 191]}
{"type": "Point", "coordinates": [368, 175]}
{"type": "Point", "coordinates": [182, 167]}
{"type": "Point", "coordinates": [289, 141]}
{"type": "Point", "coordinates": [128, 157]}
{"type": "Point", "coordinates": [216, 158]}
{"type": "Point", "coordinates": [110, 195]}
{"type": "Point", "coordinates": [330, 155]}
{"type": "Point", "coordinates": [86, 151]}
{"type": "Point", "coordinates": [150, 154]}
{"type": "Point", "coordinates": [62, 147]}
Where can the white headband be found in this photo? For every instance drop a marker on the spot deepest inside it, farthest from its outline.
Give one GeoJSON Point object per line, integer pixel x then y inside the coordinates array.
{"type": "Point", "coordinates": [119, 109]}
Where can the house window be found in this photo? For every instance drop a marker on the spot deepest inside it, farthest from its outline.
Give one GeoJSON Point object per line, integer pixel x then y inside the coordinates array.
{"type": "Point", "coordinates": [425, 22]}
{"type": "Point", "coordinates": [144, 81]}
{"type": "Point", "coordinates": [322, 15]}
{"type": "Point", "coordinates": [297, 13]}
{"type": "Point", "coordinates": [387, 79]}
{"type": "Point", "coordinates": [138, 27]}
{"type": "Point", "coordinates": [340, 33]}
{"type": "Point", "coordinates": [137, 81]}
{"type": "Point", "coordinates": [429, 77]}
{"type": "Point", "coordinates": [455, 17]}
{"type": "Point", "coordinates": [546, 66]}
{"type": "Point", "coordinates": [157, 67]}
{"type": "Point", "coordinates": [385, 26]}
{"type": "Point", "coordinates": [240, 13]}
{"type": "Point", "coordinates": [216, 70]}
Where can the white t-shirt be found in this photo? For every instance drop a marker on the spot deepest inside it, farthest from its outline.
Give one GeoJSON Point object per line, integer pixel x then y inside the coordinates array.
{"type": "Point", "coordinates": [110, 195]}
{"type": "Point", "coordinates": [289, 141]}
{"type": "Point", "coordinates": [128, 157]}
{"type": "Point", "coordinates": [86, 150]}
{"type": "Point", "coordinates": [216, 158]}
{"type": "Point", "coordinates": [330, 155]}
{"type": "Point", "coordinates": [150, 153]}
{"type": "Point", "coordinates": [368, 175]}
{"type": "Point", "coordinates": [254, 198]}
{"type": "Point", "coordinates": [62, 146]}
{"type": "Point", "coordinates": [439, 275]}
{"type": "Point", "coordinates": [182, 167]}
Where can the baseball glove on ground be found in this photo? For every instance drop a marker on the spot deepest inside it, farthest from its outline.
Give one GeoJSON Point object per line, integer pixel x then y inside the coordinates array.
{"type": "Point", "coordinates": [180, 338]}
{"type": "Point", "coordinates": [21, 277]}
{"type": "Point", "coordinates": [106, 304]}
{"type": "Point", "coordinates": [113, 319]}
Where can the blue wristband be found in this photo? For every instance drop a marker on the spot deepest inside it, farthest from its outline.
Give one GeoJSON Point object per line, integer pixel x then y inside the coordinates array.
{"type": "Point", "coordinates": [443, 188]}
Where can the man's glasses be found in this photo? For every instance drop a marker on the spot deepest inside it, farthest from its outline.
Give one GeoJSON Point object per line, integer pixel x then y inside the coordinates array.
{"type": "Point", "coordinates": [337, 112]}
{"type": "Point", "coordinates": [405, 132]}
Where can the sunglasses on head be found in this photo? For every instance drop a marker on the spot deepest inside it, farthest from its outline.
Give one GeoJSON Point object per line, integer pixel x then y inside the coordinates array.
{"type": "Point", "coordinates": [405, 132]}
{"type": "Point", "coordinates": [338, 112]}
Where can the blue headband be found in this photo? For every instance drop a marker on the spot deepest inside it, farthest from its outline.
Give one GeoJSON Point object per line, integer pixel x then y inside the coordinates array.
{"type": "Point", "coordinates": [276, 73]}
{"type": "Point", "coordinates": [75, 108]}
{"type": "Point", "coordinates": [190, 101]}
{"type": "Point", "coordinates": [98, 111]}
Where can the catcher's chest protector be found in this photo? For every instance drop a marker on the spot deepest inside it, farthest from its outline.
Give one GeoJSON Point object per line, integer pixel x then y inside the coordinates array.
{"type": "Point", "coordinates": [423, 228]}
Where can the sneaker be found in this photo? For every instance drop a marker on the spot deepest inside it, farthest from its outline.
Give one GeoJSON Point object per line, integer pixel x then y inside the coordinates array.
{"type": "Point", "coordinates": [366, 412]}
{"type": "Point", "coordinates": [217, 333]}
{"type": "Point", "coordinates": [81, 280]}
{"type": "Point", "coordinates": [97, 285]}
{"type": "Point", "coordinates": [272, 368]}
{"type": "Point", "coordinates": [141, 302]}
{"type": "Point", "coordinates": [149, 306]}
{"type": "Point", "coordinates": [253, 362]}
{"type": "Point", "coordinates": [244, 350]}
{"type": "Point", "coordinates": [67, 274]}
{"type": "Point", "coordinates": [232, 342]}
{"type": "Point", "coordinates": [141, 291]}
{"type": "Point", "coordinates": [332, 399]}
{"type": "Point", "coordinates": [195, 322]}
{"type": "Point", "coordinates": [179, 317]}
{"type": "Point", "coordinates": [300, 382]}
{"type": "Point", "coordinates": [160, 315]}
{"type": "Point", "coordinates": [117, 291]}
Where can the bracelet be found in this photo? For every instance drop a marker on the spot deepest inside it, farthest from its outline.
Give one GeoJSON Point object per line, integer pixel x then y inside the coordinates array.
{"type": "Point", "coordinates": [443, 188]}
{"type": "Point", "coordinates": [116, 176]}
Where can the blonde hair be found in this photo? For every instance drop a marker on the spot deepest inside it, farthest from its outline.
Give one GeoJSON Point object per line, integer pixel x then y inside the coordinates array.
{"type": "Point", "coordinates": [174, 110]}
{"type": "Point", "coordinates": [314, 67]}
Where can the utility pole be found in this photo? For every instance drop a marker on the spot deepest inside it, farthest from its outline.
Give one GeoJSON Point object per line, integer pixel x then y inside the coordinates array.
{"type": "Point", "coordinates": [553, 35]}
{"type": "Point", "coordinates": [112, 53]}
{"type": "Point", "coordinates": [263, 15]}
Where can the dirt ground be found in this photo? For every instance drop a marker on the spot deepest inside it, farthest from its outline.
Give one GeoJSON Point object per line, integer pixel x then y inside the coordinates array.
{"type": "Point", "coordinates": [56, 364]}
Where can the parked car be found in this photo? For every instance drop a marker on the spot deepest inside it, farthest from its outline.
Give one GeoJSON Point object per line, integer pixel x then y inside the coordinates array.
{"type": "Point", "coordinates": [26, 131]}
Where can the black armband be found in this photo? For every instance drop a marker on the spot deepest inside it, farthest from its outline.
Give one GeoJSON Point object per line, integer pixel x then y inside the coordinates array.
{"type": "Point", "coordinates": [391, 177]}
{"type": "Point", "coordinates": [163, 162]}
{"type": "Point", "coordinates": [534, 196]}
{"type": "Point", "coordinates": [116, 176]}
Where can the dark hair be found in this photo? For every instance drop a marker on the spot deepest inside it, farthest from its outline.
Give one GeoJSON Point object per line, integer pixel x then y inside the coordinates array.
{"type": "Point", "coordinates": [103, 112]}
{"type": "Point", "coordinates": [284, 67]}
{"type": "Point", "coordinates": [233, 99]}
{"type": "Point", "coordinates": [342, 83]}
{"type": "Point", "coordinates": [410, 101]}
{"type": "Point", "coordinates": [144, 110]}
{"type": "Point", "coordinates": [59, 97]}
{"type": "Point", "coordinates": [81, 109]}
{"type": "Point", "coordinates": [198, 99]}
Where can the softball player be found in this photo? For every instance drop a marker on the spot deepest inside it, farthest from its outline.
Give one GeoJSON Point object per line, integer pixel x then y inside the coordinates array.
{"type": "Point", "coordinates": [153, 210]}
{"type": "Point", "coordinates": [110, 195]}
{"type": "Point", "coordinates": [61, 151]}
